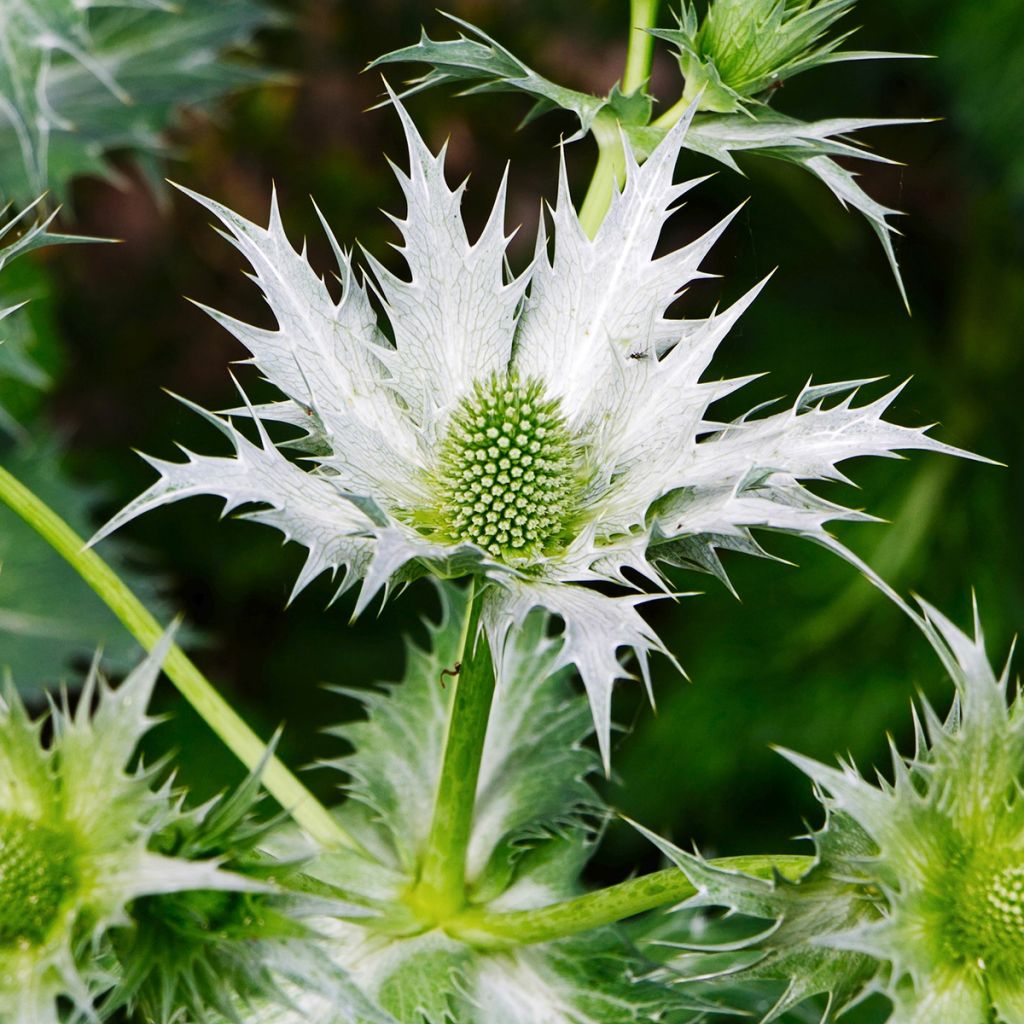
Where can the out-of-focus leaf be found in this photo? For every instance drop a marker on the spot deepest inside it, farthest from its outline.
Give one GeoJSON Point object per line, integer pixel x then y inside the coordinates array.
{"type": "Point", "coordinates": [78, 79]}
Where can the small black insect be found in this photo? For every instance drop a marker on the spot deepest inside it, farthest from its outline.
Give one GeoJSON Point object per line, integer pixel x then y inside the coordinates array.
{"type": "Point", "coordinates": [637, 355]}
{"type": "Point", "coordinates": [449, 672]}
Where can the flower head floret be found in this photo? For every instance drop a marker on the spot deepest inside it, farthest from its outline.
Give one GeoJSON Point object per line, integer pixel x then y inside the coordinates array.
{"type": "Point", "coordinates": [538, 431]}
{"type": "Point", "coordinates": [508, 475]}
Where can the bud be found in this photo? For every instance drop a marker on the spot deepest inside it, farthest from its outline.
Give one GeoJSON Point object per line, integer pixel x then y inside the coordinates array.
{"type": "Point", "coordinates": [743, 49]}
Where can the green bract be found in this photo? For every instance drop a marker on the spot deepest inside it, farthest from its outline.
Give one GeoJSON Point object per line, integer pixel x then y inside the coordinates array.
{"type": "Point", "coordinates": [79, 78]}
{"type": "Point", "coordinates": [205, 952]}
{"type": "Point", "coordinates": [731, 62]}
{"type": "Point", "coordinates": [918, 889]}
{"type": "Point", "coordinates": [75, 827]}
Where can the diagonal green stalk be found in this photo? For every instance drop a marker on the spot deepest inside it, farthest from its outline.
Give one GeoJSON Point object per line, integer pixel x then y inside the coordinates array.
{"type": "Point", "coordinates": [604, 906]}
{"type": "Point", "coordinates": [303, 807]}
{"type": "Point", "coordinates": [611, 162]}
{"type": "Point", "coordinates": [441, 889]}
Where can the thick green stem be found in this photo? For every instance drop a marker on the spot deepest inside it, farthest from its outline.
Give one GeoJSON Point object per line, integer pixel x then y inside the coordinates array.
{"type": "Point", "coordinates": [672, 115]}
{"type": "Point", "coordinates": [611, 163]}
{"type": "Point", "coordinates": [605, 906]}
{"type": "Point", "coordinates": [609, 172]}
{"type": "Point", "coordinates": [193, 686]}
{"type": "Point", "coordinates": [642, 16]}
{"type": "Point", "coordinates": [441, 889]}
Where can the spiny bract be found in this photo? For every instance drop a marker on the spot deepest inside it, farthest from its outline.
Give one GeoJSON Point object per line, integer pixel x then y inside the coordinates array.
{"type": "Point", "coordinates": [918, 887]}
{"type": "Point", "coordinates": [754, 43]}
{"type": "Point", "coordinates": [75, 823]}
{"type": "Point", "coordinates": [636, 470]}
{"type": "Point", "coordinates": [534, 828]}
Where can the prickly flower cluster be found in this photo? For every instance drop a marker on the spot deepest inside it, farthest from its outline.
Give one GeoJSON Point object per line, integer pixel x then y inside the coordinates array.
{"type": "Point", "coordinates": [540, 431]}
{"type": "Point", "coordinates": [79, 78]}
{"type": "Point", "coordinates": [741, 50]}
{"type": "Point", "coordinates": [918, 887]}
{"type": "Point", "coordinates": [75, 825]}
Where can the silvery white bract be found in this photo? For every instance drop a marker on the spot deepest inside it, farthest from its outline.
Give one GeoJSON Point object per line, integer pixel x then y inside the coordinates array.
{"type": "Point", "coordinates": [539, 431]}
{"type": "Point", "coordinates": [535, 825]}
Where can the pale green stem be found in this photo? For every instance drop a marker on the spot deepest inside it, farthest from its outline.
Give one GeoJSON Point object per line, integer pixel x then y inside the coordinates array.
{"type": "Point", "coordinates": [609, 172]}
{"type": "Point", "coordinates": [672, 115]}
{"type": "Point", "coordinates": [611, 163]}
{"type": "Point", "coordinates": [307, 811]}
{"type": "Point", "coordinates": [642, 16]}
{"type": "Point", "coordinates": [441, 889]}
{"type": "Point", "coordinates": [605, 906]}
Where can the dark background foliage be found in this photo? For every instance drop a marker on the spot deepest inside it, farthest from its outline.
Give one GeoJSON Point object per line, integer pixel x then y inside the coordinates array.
{"type": "Point", "coordinates": [810, 658]}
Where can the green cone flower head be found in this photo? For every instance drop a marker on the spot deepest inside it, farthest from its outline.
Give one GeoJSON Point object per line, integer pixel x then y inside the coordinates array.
{"type": "Point", "coordinates": [540, 432]}
{"type": "Point", "coordinates": [918, 890]}
{"type": "Point", "coordinates": [742, 49]}
{"type": "Point", "coordinates": [75, 821]}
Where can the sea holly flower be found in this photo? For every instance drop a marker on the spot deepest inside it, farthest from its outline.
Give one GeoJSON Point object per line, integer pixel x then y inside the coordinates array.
{"type": "Point", "coordinates": [79, 78]}
{"type": "Point", "coordinates": [539, 432]}
{"type": "Point", "coordinates": [205, 952]}
{"type": "Point", "coordinates": [918, 889]}
{"type": "Point", "coordinates": [75, 823]}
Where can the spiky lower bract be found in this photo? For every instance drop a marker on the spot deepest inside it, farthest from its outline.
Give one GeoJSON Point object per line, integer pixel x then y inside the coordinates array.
{"type": "Point", "coordinates": [203, 953]}
{"type": "Point", "coordinates": [536, 816]}
{"type": "Point", "coordinates": [919, 887]}
{"type": "Point", "coordinates": [584, 331]}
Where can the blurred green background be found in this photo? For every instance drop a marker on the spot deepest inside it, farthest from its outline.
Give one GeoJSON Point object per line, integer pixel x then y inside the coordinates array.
{"type": "Point", "coordinates": [810, 657]}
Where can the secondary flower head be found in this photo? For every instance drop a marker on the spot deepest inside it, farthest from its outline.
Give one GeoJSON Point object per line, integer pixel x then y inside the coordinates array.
{"type": "Point", "coordinates": [74, 827]}
{"type": "Point", "coordinates": [539, 431]}
{"type": "Point", "coordinates": [918, 890]}
{"type": "Point", "coordinates": [742, 49]}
